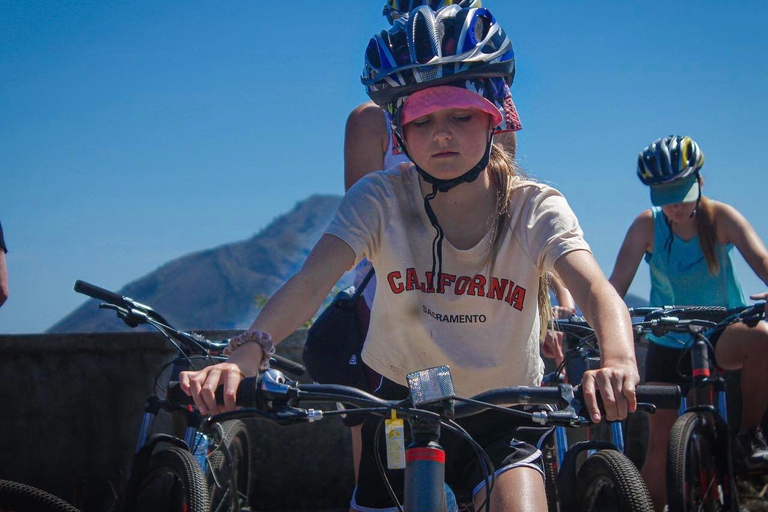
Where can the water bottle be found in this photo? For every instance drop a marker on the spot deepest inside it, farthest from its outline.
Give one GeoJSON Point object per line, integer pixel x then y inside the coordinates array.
{"type": "Point", "coordinates": [200, 449]}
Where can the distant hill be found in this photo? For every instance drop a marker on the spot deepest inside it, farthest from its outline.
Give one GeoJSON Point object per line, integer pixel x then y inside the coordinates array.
{"type": "Point", "coordinates": [214, 289]}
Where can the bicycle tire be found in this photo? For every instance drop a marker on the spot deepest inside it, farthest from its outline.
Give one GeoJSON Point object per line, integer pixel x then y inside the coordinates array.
{"type": "Point", "coordinates": [609, 481]}
{"type": "Point", "coordinates": [237, 441]}
{"type": "Point", "coordinates": [695, 478]}
{"type": "Point", "coordinates": [20, 497]}
{"type": "Point", "coordinates": [173, 482]}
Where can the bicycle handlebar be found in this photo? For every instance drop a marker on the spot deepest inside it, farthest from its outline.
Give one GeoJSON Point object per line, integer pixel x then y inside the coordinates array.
{"type": "Point", "coordinates": [271, 393]}
{"type": "Point", "coordinates": [134, 313]}
{"type": "Point", "coordinates": [679, 318]}
{"type": "Point", "coordinates": [99, 293]}
{"type": "Point", "coordinates": [712, 313]}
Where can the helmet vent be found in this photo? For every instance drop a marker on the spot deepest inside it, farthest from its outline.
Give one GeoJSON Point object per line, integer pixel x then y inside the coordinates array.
{"type": "Point", "coordinates": [399, 45]}
{"type": "Point", "coordinates": [372, 54]}
{"type": "Point", "coordinates": [482, 26]}
{"type": "Point", "coordinates": [448, 36]}
{"type": "Point", "coordinates": [422, 40]}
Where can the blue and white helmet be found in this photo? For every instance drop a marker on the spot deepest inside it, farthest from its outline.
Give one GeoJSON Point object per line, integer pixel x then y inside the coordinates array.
{"type": "Point", "coordinates": [395, 9]}
{"type": "Point", "coordinates": [431, 48]}
{"type": "Point", "coordinates": [669, 159]}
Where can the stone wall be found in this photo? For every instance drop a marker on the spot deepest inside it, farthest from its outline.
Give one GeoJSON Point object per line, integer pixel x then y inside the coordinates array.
{"type": "Point", "coordinates": [72, 406]}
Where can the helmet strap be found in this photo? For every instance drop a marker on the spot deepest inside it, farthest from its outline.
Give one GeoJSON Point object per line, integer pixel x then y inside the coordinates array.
{"type": "Point", "coordinates": [698, 199]}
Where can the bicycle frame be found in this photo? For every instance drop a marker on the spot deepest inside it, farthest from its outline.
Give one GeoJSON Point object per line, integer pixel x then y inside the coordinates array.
{"type": "Point", "coordinates": [702, 430]}
{"type": "Point", "coordinates": [710, 402]}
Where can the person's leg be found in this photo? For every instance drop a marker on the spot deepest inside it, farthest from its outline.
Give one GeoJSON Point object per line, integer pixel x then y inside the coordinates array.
{"type": "Point", "coordinates": [746, 348]}
{"type": "Point", "coordinates": [654, 470]}
{"type": "Point", "coordinates": [519, 489]}
{"type": "Point", "coordinates": [370, 491]}
{"type": "Point", "coordinates": [661, 367]}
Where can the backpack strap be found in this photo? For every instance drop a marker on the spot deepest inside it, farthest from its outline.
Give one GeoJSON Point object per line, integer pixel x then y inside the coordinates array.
{"type": "Point", "coordinates": [362, 286]}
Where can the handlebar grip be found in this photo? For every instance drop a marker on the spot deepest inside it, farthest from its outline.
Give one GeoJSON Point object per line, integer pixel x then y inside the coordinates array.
{"type": "Point", "coordinates": [663, 397]}
{"type": "Point", "coordinates": [246, 394]}
{"type": "Point", "coordinates": [99, 293]}
{"type": "Point", "coordinates": [757, 307]}
{"type": "Point", "coordinates": [711, 313]}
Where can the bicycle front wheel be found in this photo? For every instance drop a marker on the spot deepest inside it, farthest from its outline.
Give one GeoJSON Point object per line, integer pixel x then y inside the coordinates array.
{"type": "Point", "coordinates": [173, 482]}
{"type": "Point", "coordinates": [25, 498]}
{"type": "Point", "coordinates": [609, 482]}
{"type": "Point", "coordinates": [696, 478]}
{"type": "Point", "coordinates": [222, 473]}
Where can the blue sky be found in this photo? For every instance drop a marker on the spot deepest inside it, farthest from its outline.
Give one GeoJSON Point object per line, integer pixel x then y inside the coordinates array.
{"type": "Point", "coordinates": [132, 133]}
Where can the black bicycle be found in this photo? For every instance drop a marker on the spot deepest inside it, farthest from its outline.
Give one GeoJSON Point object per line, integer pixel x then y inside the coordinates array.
{"type": "Point", "coordinates": [570, 460]}
{"type": "Point", "coordinates": [432, 406]}
{"type": "Point", "coordinates": [165, 473]}
{"type": "Point", "coordinates": [700, 469]}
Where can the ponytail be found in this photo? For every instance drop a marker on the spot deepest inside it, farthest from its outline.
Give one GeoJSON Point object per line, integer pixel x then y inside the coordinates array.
{"type": "Point", "coordinates": [705, 225]}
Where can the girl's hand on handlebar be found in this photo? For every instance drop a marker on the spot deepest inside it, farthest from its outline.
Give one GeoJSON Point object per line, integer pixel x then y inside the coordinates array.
{"type": "Point", "coordinates": [761, 296]}
{"type": "Point", "coordinates": [201, 385]}
{"type": "Point", "coordinates": [616, 384]}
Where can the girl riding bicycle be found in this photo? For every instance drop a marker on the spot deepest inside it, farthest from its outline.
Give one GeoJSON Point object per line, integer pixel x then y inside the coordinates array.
{"type": "Point", "coordinates": [687, 240]}
{"type": "Point", "coordinates": [370, 145]}
{"type": "Point", "coordinates": [467, 295]}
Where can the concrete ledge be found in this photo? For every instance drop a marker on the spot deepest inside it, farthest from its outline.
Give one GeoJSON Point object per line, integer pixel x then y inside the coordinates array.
{"type": "Point", "coordinates": [72, 406]}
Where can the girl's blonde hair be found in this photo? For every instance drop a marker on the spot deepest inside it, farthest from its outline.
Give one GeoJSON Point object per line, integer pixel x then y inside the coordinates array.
{"type": "Point", "coordinates": [507, 176]}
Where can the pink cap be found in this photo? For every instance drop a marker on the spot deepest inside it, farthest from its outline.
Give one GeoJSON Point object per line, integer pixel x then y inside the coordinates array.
{"type": "Point", "coordinates": [432, 99]}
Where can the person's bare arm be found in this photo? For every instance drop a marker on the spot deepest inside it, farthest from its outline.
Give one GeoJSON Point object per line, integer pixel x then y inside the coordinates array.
{"type": "Point", "coordinates": [638, 240]}
{"type": "Point", "coordinates": [293, 304]}
{"type": "Point", "coordinates": [734, 228]}
{"type": "Point", "coordinates": [606, 313]}
{"type": "Point", "coordinates": [563, 296]}
{"type": "Point", "coordinates": [365, 142]}
{"type": "Point", "coordinates": [3, 278]}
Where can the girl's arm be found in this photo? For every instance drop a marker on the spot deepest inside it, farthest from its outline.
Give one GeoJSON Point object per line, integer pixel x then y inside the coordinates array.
{"type": "Point", "coordinates": [733, 228]}
{"type": "Point", "coordinates": [607, 314]}
{"type": "Point", "coordinates": [563, 296]}
{"type": "Point", "coordinates": [553, 341]}
{"type": "Point", "coordinates": [292, 305]}
{"type": "Point", "coordinates": [3, 278]}
{"type": "Point", "coordinates": [365, 142]}
{"type": "Point", "coordinates": [638, 240]}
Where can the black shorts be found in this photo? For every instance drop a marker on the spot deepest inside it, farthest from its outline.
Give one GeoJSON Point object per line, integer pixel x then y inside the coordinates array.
{"type": "Point", "coordinates": [668, 364]}
{"type": "Point", "coordinates": [507, 446]}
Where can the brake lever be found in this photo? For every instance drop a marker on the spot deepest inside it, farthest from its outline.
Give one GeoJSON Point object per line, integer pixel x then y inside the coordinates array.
{"type": "Point", "coordinates": [131, 318]}
{"type": "Point", "coordinates": [646, 407]}
{"type": "Point", "coordinates": [563, 417]}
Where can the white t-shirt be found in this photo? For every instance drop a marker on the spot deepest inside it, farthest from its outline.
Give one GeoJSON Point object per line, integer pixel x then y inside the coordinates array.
{"type": "Point", "coordinates": [392, 157]}
{"type": "Point", "coordinates": [484, 324]}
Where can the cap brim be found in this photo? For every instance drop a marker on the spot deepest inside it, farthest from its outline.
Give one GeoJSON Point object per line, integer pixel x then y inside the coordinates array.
{"type": "Point", "coordinates": [683, 191]}
{"type": "Point", "coordinates": [432, 99]}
